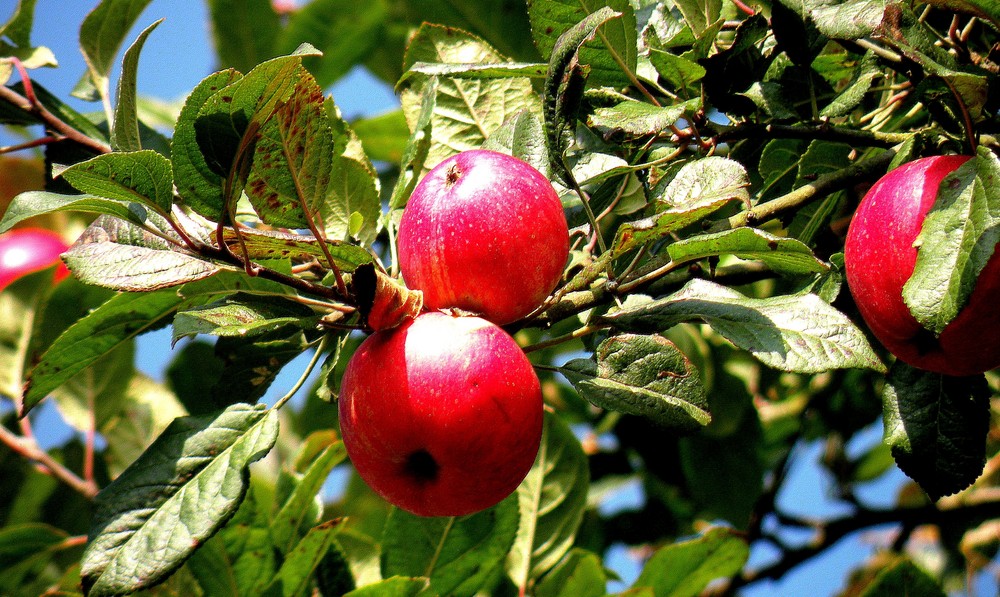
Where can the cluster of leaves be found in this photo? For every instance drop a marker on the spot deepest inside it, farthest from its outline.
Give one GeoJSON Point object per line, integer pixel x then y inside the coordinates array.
{"type": "Point", "coordinates": [708, 155]}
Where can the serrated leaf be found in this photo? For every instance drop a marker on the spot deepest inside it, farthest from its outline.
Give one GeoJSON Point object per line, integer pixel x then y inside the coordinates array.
{"type": "Point", "coordinates": [632, 235]}
{"type": "Point", "coordinates": [120, 319]}
{"type": "Point", "coordinates": [142, 177]}
{"type": "Point", "coordinates": [853, 94]}
{"type": "Point", "coordinates": [646, 376]}
{"type": "Point", "coordinates": [678, 71]}
{"type": "Point", "coordinates": [182, 489]}
{"type": "Point", "coordinates": [936, 426]}
{"type": "Point", "coordinates": [261, 244]}
{"type": "Point", "coordinates": [551, 500]}
{"type": "Point", "coordinates": [114, 254]}
{"type": "Point", "coordinates": [637, 119]}
{"type": "Point", "coordinates": [35, 203]}
{"type": "Point", "coordinates": [125, 131]}
{"type": "Point", "coordinates": [852, 19]}
{"type": "Point", "coordinates": [579, 574]}
{"type": "Point", "coordinates": [353, 193]}
{"type": "Point", "coordinates": [957, 239]}
{"type": "Point", "coordinates": [700, 14]}
{"type": "Point", "coordinates": [198, 186]}
{"type": "Point", "coordinates": [465, 111]}
{"type": "Point", "coordinates": [461, 555]}
{"type": "Point", "coordinates": [614, 48]}
{"type": "Point", "coordinates": [242, 316]}
{"type": "Point", "coordinates": [475, 70]}
{"type": "Point", "coordinates": [523, 137]}
{"type": "Point", "coordinates": [798, 333]}
{"type": "Point", "coordinates": [706, 181]}
{"type": "Point", "coordinates": [289, 519]}
{"type": "Point", "coordinates": [101, 35]}
{"type": "Point", "coordinates": [684, 569]}
{"type": "Point", "coordinates": [296, 572]}
{"type": "Point", "coordinates": [397, 586]}
{"type": "Point", "coordinates": [783, 255]}
{"type": "Point", "coordinates": [418, 147]}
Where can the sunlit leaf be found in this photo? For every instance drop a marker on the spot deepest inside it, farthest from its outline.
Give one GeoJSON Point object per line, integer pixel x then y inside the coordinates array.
{"type": "Point", "coordinates": [684, 569]}
{"type": "Point", "coordinates": [182, 489]}
{"type": "Point", "coordinates": [125, 132]}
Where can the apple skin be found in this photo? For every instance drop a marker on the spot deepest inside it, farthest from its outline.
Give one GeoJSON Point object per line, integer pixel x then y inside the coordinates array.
{"type": "Point", "coordinates": [441, 416]}
{"type": "Point", "coordinates": [27, 250]}
{"type": "Point", "coordinates": [879, 258]}
{"type": "Point", "coordinates": [484, 232]}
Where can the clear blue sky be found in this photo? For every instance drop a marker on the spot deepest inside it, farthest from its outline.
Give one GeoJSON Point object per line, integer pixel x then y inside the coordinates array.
{"type": "Point", "coordinates": [178, 55]}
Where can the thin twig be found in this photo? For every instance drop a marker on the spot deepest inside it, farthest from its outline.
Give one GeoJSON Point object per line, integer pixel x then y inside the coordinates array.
{"type": "Point", "coordinates": [28, 449]}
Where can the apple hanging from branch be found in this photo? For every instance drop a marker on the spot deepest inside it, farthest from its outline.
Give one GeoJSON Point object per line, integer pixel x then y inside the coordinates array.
{"type": "Point", "coordinates": [484, 232]}
{"type": "Point", "coordinates": [441, 416]}
{"type": "Point", "coordinates": [880, 256]}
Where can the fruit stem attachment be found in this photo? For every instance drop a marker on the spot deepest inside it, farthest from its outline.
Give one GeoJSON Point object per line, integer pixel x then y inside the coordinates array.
{"type": "Point", "coordinates": [320, 349]}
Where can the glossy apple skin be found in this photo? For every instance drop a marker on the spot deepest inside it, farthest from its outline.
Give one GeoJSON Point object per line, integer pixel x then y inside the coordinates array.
{"type": "Point", "coordinates": [879, 258]}
{"type": "Point", "coordinates": [484, 232]}
{"type": "Point", "coordinates": [441, 416]}
{"type": "Point", "coordinates": [27, 250]}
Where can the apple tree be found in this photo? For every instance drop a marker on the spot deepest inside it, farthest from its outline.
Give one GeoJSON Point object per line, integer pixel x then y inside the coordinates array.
{"type": "Point", "coordinates": [708, 156]}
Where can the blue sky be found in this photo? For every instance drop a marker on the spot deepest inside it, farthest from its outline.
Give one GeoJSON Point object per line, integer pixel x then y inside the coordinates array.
{"type": "Point", "coordinates": [178, 55]}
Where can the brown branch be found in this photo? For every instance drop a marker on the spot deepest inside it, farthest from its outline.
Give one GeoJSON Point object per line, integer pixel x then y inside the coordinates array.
{"type": "Point", "coordinates": [820, 131]}
{"type": "Point", "coordinates": [55, 125]}
{"type": "Point", "coordinates": [28, 449]}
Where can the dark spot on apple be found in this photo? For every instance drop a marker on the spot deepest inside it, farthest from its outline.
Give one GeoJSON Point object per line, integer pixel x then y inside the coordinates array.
{"type": "Point", "coordinates": [422, 467]}
{"type": "Point", "coordinates": [454, 173]}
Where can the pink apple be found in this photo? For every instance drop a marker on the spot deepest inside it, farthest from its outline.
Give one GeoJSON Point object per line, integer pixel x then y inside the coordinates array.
{"type": "Point", "coordinates": [442, 416]}
{"type": "Point", "coordinates": [27, 250]}
{"type": "Point", "coordinates": [484, 232]}
{"type": "Point", "coordinates": [879, 258]}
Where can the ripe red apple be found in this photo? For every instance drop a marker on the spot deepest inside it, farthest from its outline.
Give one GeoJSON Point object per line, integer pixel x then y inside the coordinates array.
{"type": "Point", "coordinates": [484, 232]}
{"type": "Point", "coordinates": [27, 250]}
{"type": "Point", "coordinates": [879, 258]}
{"type": "Point", "coordinates": [442, 416]}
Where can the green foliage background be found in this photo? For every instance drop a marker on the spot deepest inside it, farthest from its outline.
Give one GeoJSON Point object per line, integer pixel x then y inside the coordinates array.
{"type": "Point", "coordinates": [709, 154]}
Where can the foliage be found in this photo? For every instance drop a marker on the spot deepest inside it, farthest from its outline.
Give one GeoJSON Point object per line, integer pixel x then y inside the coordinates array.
{"type": "Point", "coordinates": [708, 153]}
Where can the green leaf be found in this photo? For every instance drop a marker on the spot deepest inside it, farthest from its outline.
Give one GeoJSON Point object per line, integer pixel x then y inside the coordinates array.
{"type": "Point", "coordinates": [244, 32]}
{"type": "Point", "coordinates": [125, 131]}
{"type": "Point", "coordinates": [290, 518]}
{"type": "Point", "coordinates": [853, 94]}
{"type": "Point", "coordinates": [551, 499]}
{"type": "Point", "coordinates": [35, 203]}
{"type": "Point", "coordinates": [783, 255]}
{"type": "Point", "coordinates": [852, 19]}
{"type": "Point", "coordinates": [461, 555]}
{"type": "Point", "coordinates": [614, 48]}
{"type": "Point", "coordinates": [679, 71]}
{"type": "Point", "coordinates": [198, 186]}
{"type": "Point", "coordinates": [579, 574]}
{"type": "Point", "coordinates": [25, 549]}
{"type": "Point", "coordinates": [418, 147]}
{"type": "Point", "coordinates": [178, 494]}
{"type": "Point", "coordinates": [639, 119]}
{"type": "Point", "coordinates": [18, 28]}
{"type": "Point", "coordinates": [120, 319]}
{"type": "Point", "coordinates": [261, 244]}
{"type": "Point", "coordinates": [361, 553]}
{"type": "Point", "coordinates": [465, 111]}
{"type": "Point", "coordinates": [101, 36]}
{"type": "Point", "coordinates": [242, 316]}
{"type": "Point", "coordinates": [903, 578]}
{"type": "Point", "coordinates": [246, 546]}
{"type": "Point", "coordinates": [295, 575]}
{"type": "Point", "coordinates": [565, 81]}
{"type": "Point", "coordinates": [700, 15]}
{"type": "Point", "coordinates": [344, 30]}
{"type": "Point", "coordinates": [684, 569]}
{"type": "Point", "coordinates": [115, 254]}
{"type": "Point", "coordinates": [936, 426]}
{"type": "Point", "coordinates": [475, 70]}
{"type": "Point", "coordinates": [523, 137]}
{"type": "Point", "coordinates": [250, 367]}
{"type": "Point", "coordinates": [798, 333]}
{"type": "Point", "coordinates": [986, 9]}
{"type": "Point", "coordinates": [643, 375]}
{"type": "Point", "coordinates": [779, 166]}
{"type": "Point", "coordinates": [146, 410]}
{"type": "Point", "coordinates": [397, 586]}
{"type": "Point", "coordinates": [23, 304]}
{"type": "Point", "coordinates": [956, 241]}
{"type": "Point", "coordinates": [292, 160]}
{"type": "Point", "coordinates": [384, 136]}
{"type": "Point", "coordinates": [142, 177]}
{"type": "Point", "coordinates": [99, 393]}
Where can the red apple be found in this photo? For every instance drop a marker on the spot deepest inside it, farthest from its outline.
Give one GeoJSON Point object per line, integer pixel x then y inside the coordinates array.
{"type": "Point", "coordinates": [27, 250]}
{"type": "Point", "coordinates": [879, 257]}
{"type": "Point", "coordinates": [442, 416]}
{"type": "Point", "coordinates": [484, 232]}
